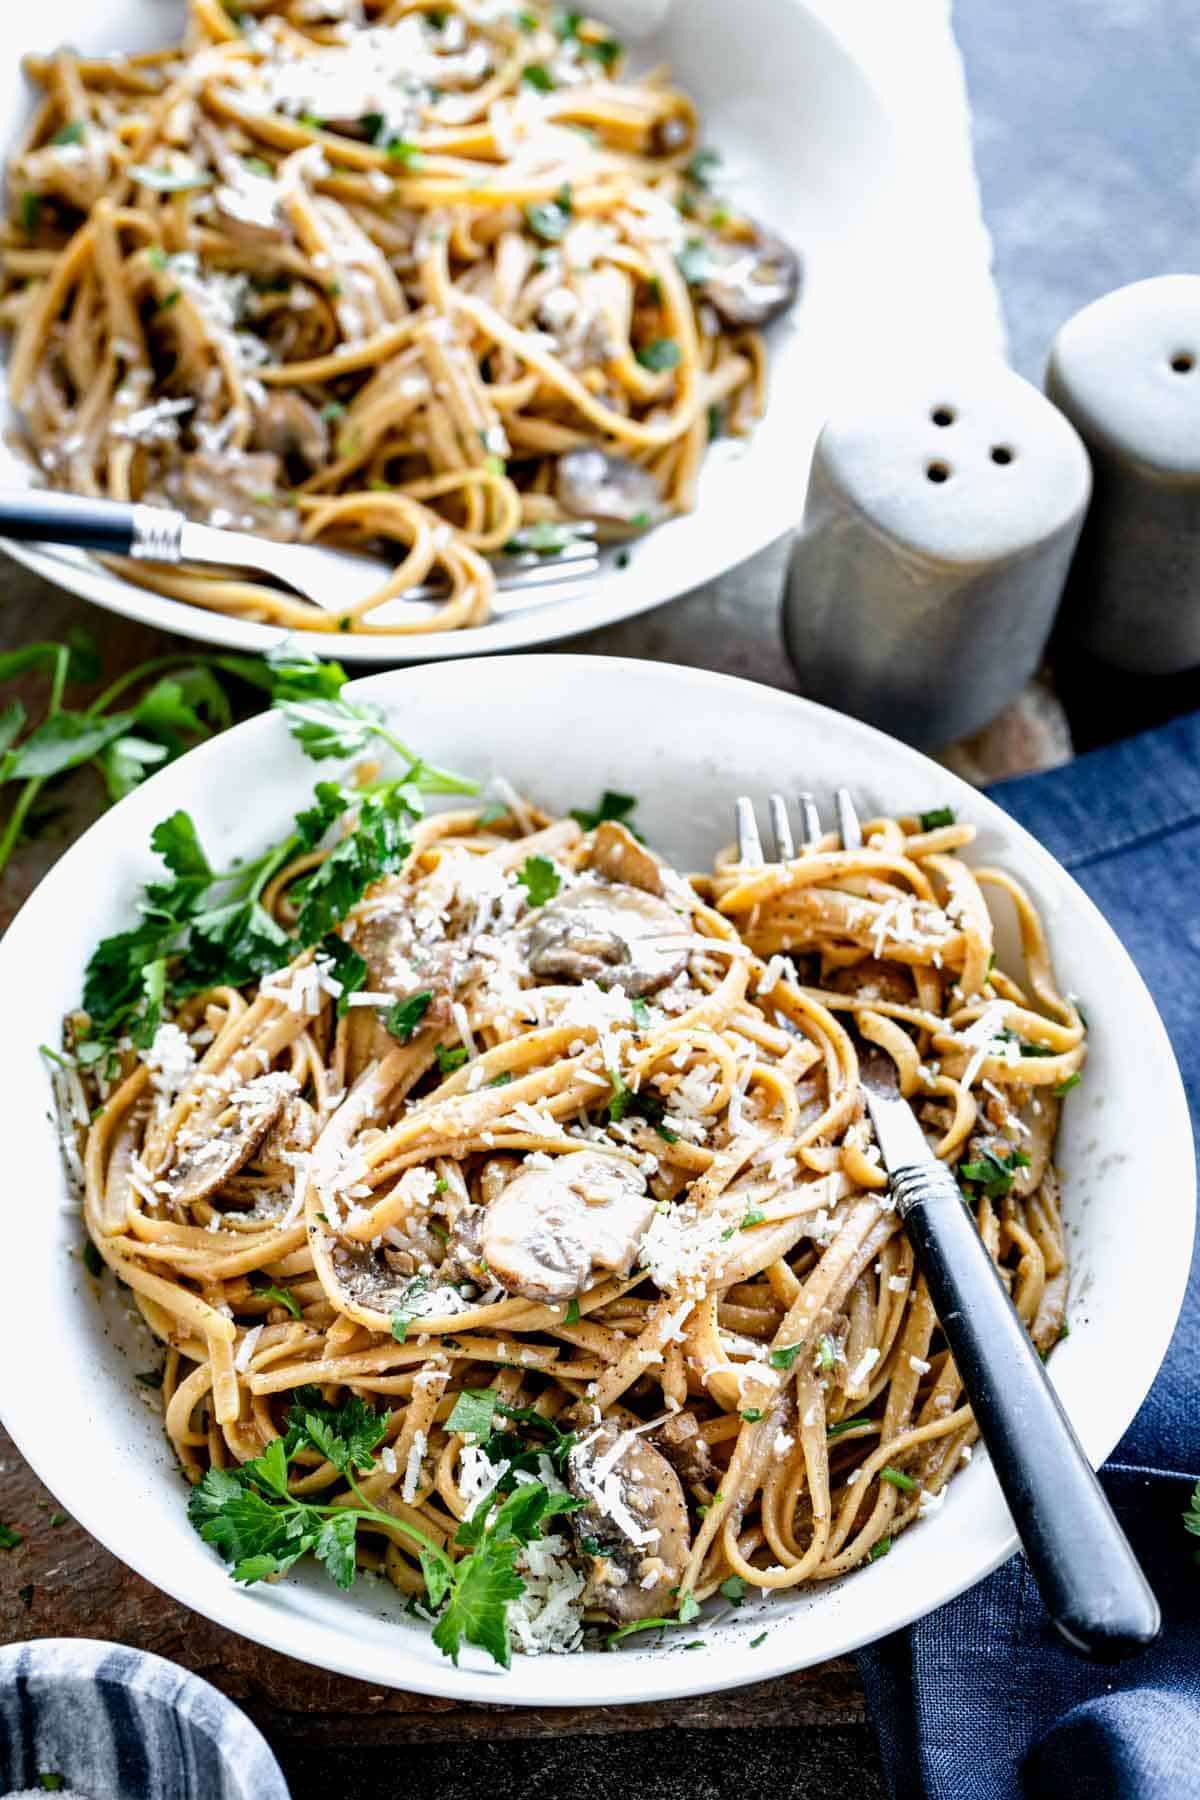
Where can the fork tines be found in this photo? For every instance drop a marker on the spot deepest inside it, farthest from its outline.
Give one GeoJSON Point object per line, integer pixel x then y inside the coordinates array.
{"type": "Point", "coordinates": [750, 847]}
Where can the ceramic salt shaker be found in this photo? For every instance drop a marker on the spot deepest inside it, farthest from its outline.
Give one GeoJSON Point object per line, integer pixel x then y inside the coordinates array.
{"type": "Point", "coordinates": [1126, 371]}
{"type": "Point", "coordinates": [942, 513]}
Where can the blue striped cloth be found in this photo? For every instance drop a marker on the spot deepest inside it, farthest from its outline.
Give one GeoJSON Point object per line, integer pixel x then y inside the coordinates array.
{"type": "Point", "coordinates": [978, 1701]}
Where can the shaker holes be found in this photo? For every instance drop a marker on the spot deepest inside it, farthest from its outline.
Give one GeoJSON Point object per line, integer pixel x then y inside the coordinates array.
{"type": "Point", "coordinates": [1183, 362]}
{"type": "Point", "coordinates": [938, 471]}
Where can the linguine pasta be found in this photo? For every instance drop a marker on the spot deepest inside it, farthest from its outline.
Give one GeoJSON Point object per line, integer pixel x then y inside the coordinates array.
{"type": "Point", "coordinates": [587, 1140]}
{"type": "Point", "coordinates": [436, 281]}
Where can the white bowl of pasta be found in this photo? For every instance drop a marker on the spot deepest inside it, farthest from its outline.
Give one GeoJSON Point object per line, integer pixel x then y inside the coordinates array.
{"type": "Point", "coordinates": [357, 1257]}
{"type": "Point", "coordinates": [173, 230]}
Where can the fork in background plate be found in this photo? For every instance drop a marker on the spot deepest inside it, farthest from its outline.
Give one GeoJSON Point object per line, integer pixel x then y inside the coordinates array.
{"type": "Point", "coordinates": [1086, 1572]}
{"type": "Point", "coordinates": [331, 579]}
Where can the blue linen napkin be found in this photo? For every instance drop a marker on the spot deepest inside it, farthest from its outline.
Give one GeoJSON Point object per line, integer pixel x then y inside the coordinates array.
{"type": "Point", "coordinates": [978, 1701]}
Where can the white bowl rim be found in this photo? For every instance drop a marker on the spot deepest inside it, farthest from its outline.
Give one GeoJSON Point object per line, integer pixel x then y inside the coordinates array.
{"type": "Point", "coordinates": [637, 1675]}
{"type": "Point", "coordinates": [671, 561]}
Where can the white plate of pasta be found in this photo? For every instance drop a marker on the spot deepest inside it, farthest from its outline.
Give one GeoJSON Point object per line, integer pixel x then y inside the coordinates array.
{"type": "Point", "coordinates": [442, 283]}
{"type": "Point", "coordinates": [500, 1231]}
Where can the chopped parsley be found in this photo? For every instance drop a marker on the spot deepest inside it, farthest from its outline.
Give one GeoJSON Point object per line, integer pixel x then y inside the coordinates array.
{"type": "Point", "coordinates": [449, 1059]}
{"type": "Point", "coordinates": [994, 1174]}
{"type": "Point", "coordinates": [940, 815]}
{"type": "Point", "coordinates": [502, 1079]}
{"type": "Point", "coordinates": [25, 1595]}
{"type": "Point", "coordinates": [760, 1639]}
{"type": "Point", "coordinates": [879, 1549]}
{"type": "Point", "coordinates": [702, 167]}
{"type": "Point", "coordinates": [9, 1539]}
{"type": "Point", "coordinates": [1066, 1084]}
{"type": "Point", "coordinates": [149, 1378]}
{"type": "Point", "coordinates": [753, 1414]}
{"type": "Point", "coordinates": [473, 1412]}
{"type": "Point", "coordinates": [71, 133]}
{"type": "Point", "coordinates": [898, 1479]}
{"type": "Point", "coordinates": [733, 1588]}
{"type": "Point", "coordinates": [548, 219]}
{"type": "Point", "coordinates": [31, 213]}
{"type": "Point", "coordinates": [660, 355]}
{"type": "Point", "coordinates": [640, 1011]}
{"type": "Point", "coordinates": [826, 1353]}
{"type": "Point", "coordinates": [613, 806]}
{"type": "Point", "coordinates": [402, 1019]}
{"type": "Point", "coordinates": [540, 879]}
{"type": "Point", "coordinates": [785, 1357]}
{"type": "Point", "coordinates": [538, 76]}
{"type": "Point", "coordinates": [844, 1425]}
{"type": "Point", "coordinates": [278, 1296]}
{"type": "Point", "coordinates": [1191, 1518]}
{"type": "Point", "coordinates": [754, 1216]}
{"type": "Point", "coordinates": [572, 1314]}
{"type": "Point", "coordinates": [92, 1260]}
{"type": "Point", "coordinates": [345, 966]}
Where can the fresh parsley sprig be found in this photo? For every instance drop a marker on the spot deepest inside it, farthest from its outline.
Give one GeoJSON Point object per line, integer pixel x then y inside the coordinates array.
{"type": "Point", "coordinates": [205, 926]}
{"type": "Point", "coordinates": [261, 1528]}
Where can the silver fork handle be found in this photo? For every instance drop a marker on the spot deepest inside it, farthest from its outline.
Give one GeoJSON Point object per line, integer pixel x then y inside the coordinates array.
{"type": "Point", "coordinates": [1085, 1570]}
{"type": "Point", "coordinates": [38, 515]}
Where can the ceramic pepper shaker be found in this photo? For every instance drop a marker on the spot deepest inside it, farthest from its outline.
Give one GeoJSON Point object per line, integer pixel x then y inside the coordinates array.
{"type": "Point", "coordinates": [1126, 371]}
{"type": "Point", "coordinates": [942, 513]}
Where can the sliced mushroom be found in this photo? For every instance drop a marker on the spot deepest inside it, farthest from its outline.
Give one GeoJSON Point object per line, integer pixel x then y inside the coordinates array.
{"type": "Point", "coordinates": [614, 933]}
{"type": "Point", "coordinates": [681, 1442]}
{"type": "Point", "coordinates": [751, 281]}
{"type": "Point", "coordinates": [549, 1229]}
{"type": "Point", "coordinates": [231, 489]}
{"type": "Point", "coordinates": [235, 1135]}
{"type": "Point", "coordinates": [636, 1513]}
{"type": "Point", "coordinates": [617, 854]}
{"type": "Point", "coordinates": [594, 484]}
{"type": "Point", "coordinates": [287, 426]}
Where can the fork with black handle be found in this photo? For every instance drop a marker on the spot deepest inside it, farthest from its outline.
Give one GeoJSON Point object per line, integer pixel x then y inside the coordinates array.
{"type": "Point", "coordinates": [1086, 1572]}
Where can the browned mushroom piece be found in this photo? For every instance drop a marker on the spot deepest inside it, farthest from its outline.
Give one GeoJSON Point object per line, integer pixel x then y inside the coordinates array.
{"type": "Point", "coordinates": [287, 426]}
{"type": "Point", "coordinates": [612, 933]}
{"type": "Point", "coordinates": [231, 1138]}
{"type": "Point", "coordinates": [635, 1512]}
{"type": "Point", "coordinates": [681, 1442]}
{"type": "Point", "coordinates": [548, 1230]}
{"type": "Point", "coordinates": [234, 490]}
{"type": "Point", "coordinates": [617, 854]}
{"type": "Point", "coordinates": [612, 490]}
{"type": "Point", "coordinates": [750, 281]}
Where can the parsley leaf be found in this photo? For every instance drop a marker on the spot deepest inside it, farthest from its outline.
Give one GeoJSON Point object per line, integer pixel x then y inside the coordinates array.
{"type": "Point", "coordinates": [449, 1059]}
{"type": "Point", "coordinates": [1064, 1087]}
{"type": "Point", "coordinates": [279, 1297]}
{"type": "Point", "coordinates": [473, 1412]}
{"type": "Point", "coordinates": [9, 1539]}
{"type": "Point", "coordinates": [345, 966]}
{"type": "Point", "coordinates": [660, 355]}
{"type": "Point", "coordinates": [614, 806]}
{"type": "Point", "coordinates": [403, 1019]}
{"type": "Point", "coordinates": [548, 219]}
{"type": "Point", "coordinates": [540, 879]}
{"type": "Point", "coordinates": [572, 1314]}
{"type": "Point", "coordinates": [1191, 1518]}
{"type": "Point", "coordinates": [994, 1173]}
{"type": "Point", "coordinates": [941, 815]}
{"type": "Point", "coordinates": [785, 1356]}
